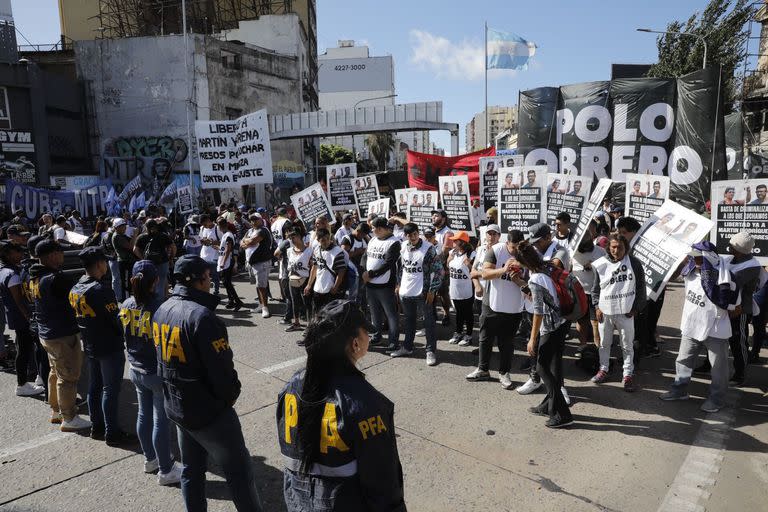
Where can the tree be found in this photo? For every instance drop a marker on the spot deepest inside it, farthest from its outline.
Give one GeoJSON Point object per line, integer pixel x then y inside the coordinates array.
{"type": "Point", "coordinates": [722, 24]}
{"type": "Point", "coordinates": [380, 145]}
{"type": "Point", "coordinates": [331, 154]}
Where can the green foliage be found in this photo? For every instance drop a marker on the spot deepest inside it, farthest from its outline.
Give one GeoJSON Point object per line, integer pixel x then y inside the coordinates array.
{"type": "Point", "coordinates": [723, 26]}
{"type": "Point", "coordinates": [331, 154]}
{"type": "Point", "coordinates": [380, 145]}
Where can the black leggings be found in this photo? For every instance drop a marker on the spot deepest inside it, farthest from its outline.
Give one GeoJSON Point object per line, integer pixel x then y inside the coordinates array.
{"type": "Point", "coordinates": [465, 314]}
{"type": "Point", "coordinates": [25, 352]}
{"type": "Point", "coordinates": [226, 279]}
{"type": "Point", "coordinates": [550, 367]}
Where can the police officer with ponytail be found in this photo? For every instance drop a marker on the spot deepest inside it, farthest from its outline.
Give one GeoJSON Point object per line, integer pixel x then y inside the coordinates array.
{"type": "Point", "coordinates": [336, 431]}
{"type": "Point", "coordinates": [200, 386]}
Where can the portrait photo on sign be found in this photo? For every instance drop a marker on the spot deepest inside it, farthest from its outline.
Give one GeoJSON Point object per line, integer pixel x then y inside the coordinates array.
{"type": "Point", "coordinates": [568, 185]}
{"type": "Point", "coordinates": [741, 205]}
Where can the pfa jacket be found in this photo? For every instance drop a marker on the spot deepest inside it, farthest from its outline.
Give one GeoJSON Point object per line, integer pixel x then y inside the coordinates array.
{"type": "Point", "coordinates": [49, 290]}
{"type": "Point", "coordinates": [96, 310]}
{"type": "Point", "coordinates": [358, 467]}
{"type": "Point", "coordinates": [194, 358]}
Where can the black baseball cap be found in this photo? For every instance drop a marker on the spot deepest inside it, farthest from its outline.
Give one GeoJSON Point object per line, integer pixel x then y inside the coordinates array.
{"type": "Point", "coordinates": [91, 255]}
{"type": "Point", "coordinates": [538, 231]}
{"type": "Point", "coordinates": [190, 268]}
{"type": "Point", "coordinates": [46, 247]}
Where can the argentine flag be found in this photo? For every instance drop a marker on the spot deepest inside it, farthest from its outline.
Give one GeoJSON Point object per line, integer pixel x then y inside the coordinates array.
{"type": "Point", "coordinates": [508, 51]}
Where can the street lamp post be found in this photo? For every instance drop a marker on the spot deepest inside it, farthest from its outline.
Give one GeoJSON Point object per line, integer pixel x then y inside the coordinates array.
{"type": "Point", "coordinates": [690, 34]}
{"type": "Point", "coordinates": [354, 107]}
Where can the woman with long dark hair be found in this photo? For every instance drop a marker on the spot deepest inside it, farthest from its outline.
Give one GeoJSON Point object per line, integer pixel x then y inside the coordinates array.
{"type": "Point", "coordinates": [152, 425]}
{"type": "Point", "coordinates": [547, 340]}
{"type": "Point", "coordinates": [336, 431]}
{"type": "Point", "coordinates": [97, 238]}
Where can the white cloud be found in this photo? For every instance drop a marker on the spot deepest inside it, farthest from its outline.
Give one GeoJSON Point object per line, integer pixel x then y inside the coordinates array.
{"type": "Point", "coordinates": [446, 59]}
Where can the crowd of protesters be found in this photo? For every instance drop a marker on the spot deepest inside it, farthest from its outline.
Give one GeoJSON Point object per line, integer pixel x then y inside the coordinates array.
{"type": "Point", "coordinates": [151, 287]}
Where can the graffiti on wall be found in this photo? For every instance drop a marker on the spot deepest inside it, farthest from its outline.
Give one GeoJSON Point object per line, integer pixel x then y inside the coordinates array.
{"type": "Point", "coordinates": [153, 158]}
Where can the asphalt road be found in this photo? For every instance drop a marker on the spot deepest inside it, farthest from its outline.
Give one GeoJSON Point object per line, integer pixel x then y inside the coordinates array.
{"type": "Point", "coordinates": [464, 446]}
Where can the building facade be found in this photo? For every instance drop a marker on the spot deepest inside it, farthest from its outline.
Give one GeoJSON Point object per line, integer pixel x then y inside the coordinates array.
{"type": "Point", "coordinates": [499, 119]}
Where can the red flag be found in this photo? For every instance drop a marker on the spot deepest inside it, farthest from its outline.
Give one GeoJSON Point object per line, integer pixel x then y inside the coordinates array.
{"type": "Point", "coordinates": [423, 168]}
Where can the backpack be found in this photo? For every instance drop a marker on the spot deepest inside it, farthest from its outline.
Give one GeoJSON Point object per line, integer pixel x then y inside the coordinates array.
{"type": "Point", "coordinates": [573, 300]}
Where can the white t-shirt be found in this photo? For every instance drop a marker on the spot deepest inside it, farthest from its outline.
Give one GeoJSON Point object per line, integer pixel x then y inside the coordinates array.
{"type": "Point", "coordinates": [412, 278]}
{"type": "Point", "coordinates": [193, 236]}
{"type": "Point", "coordinates": [298, 261]}
{"type": "Point", "coordinates": [701, 318]}
{"type": "Point", "coordinates": [277, 229]}
{"type": "Point", "coordinates": [377, 249]}
{"type": "Point", "coordinates": [325, 261]}
{"type": "Point", "coordinates": [340, 234]}
{"type": "Point", "coordinates": [441, 235]}
{"type": "Point", "coordinates": [617, 285]}
{"type": "Point", "coordinates": [59, 233]}
{"type": "Point", "coordinates": [460, 284]}
{"type": "Point", "coordinates": [210, 253]}
{"type": "Point", "coordinates": [504, 296]}
{"type": "Point", "coordinates": [77, 226]}
{"type": "Point", "coordinates": [225, 261]}
{"type": "Point", "coordinates": [478, 265]}
{"type": "Point", "coordinates": [582, 259]}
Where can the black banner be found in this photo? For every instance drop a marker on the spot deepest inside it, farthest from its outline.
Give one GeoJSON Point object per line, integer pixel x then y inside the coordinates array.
{"type": "Point", "coordinates": [536, 127]}
{"type": "Point", "coordinates": [734, 146]}
{"type": "Point", "coordinates": [583, 129]}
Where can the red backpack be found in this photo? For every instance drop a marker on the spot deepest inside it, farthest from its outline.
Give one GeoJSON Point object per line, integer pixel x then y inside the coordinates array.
{"type": "Point", "coordinates": [573, 300]}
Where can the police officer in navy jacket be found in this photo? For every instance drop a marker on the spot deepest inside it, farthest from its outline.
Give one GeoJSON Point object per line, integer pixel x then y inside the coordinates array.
{"type": "Point", "coordinates": [336, 431]}
{"type": "Point", "coordinates": [200, 386]}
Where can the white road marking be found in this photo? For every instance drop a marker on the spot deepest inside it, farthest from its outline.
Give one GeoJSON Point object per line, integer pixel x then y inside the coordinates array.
{"type": "Point", "coordinates": [702, 464]}
{"type": "Point", "coordinates": [34, 443]}
{"type": "Point", "coordinates": [284, 364]}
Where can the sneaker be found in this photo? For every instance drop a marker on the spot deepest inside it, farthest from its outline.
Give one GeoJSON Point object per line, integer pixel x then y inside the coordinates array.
{"type": "Point", "coordinates": [150, 466]}
{"type": "Point", "coordinates": [652, 353]}
{"type": "Point", "coordinates": [529, 387]}
{"type": "Point", "coordinates": [478, 374]}
{"type": "Point", "coordinates": [421, 332]}
{"type": "Point", "coordinates": [457, 337]}
{"type": "Point", "coordinates": [537, 411]}
{"type": "Point", "coordinates": [29, 389]}
{"type": "Point", "coordinates": [241, 307]}
{"type": "Point", "coordinates": [75, 424]}
{"type": "Point", "coordinates": [709, 406]}
{"type": "Point", "coordinates": [566, 396]}
{"type": "Point", "coordinates": [506, 381]}
{"type": "Point", "coordinates": [390, 348]}
{"type": "Point", "coordinates": [629, 384]}
{"type": "Point", "coordinates": [465, 341]}
{"type": "Point", "coordinates": [283, 321]}
{"type": "Point", "coordinates": [559, 423]}
{"type": "Point", "coordinates": [265, 312]}
{"type": "Point", "coordinates": [119, 438]}
{"type": "Point", "coordinates": [294, 328]}
{"type": "Point", "coordinates": [674, 394]}
{"type": "Point", "coordinates": [56, 418]}
{"type": "Point", "coordinates": [431, 359]}
{"type": "Point", "coordinates": [600, 377]}
{"type": "Point", "coordinates": [39, 382]}
{"type": "Point", "coordinates": [172, 477]}
{"type": "Point", "coordinates": [402, 351]}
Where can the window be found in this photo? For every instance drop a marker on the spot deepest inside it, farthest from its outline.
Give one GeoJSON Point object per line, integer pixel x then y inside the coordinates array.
{"type": "Point", "coordinates": [231, 60]}
{"type": "Point", "coordinates": [233, 113]}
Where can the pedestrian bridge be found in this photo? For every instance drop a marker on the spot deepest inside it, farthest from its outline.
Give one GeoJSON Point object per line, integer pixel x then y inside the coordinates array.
{"type": "Point", "coordinates": [406, 117]}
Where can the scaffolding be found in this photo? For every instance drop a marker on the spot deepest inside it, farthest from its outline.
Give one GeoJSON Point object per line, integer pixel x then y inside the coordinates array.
{"type": "Point", "coordinates": [136, 18]}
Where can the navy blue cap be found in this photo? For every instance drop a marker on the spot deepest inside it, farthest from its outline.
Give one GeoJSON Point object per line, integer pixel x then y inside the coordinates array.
{"type": "Point", "coordinates": [91, 255]}
{"type": "Point", "coordinates": [190, 267]}
{"type": "Point", "coordinates": [145, 270]}
{"type": "Point", "coordinates": [47, 246]}
{"type": "Point", "coordinates": [344, 312]}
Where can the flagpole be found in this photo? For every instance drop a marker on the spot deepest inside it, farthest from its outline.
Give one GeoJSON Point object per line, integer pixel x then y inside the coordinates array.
{"type": "Point", "coordinates": [485, 66]}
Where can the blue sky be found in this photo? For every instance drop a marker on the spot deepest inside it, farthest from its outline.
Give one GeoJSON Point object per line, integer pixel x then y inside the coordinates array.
{"type": "Point", "coordinates": [438, 46]}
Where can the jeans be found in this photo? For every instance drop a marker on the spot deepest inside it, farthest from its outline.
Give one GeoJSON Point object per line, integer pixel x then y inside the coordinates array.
{"type": "Point", "coordinates": [718, 358]}
{"type": "Point", "coordinates": [65, 356]}
{"type": "Point", "coordinates": [549, 363]}
{"type": "Point", "coordinates": [411, 307]}
{"type": "Point", "coordinates": [162, 283]}
{"type": "Point", "coordinates": [25, 351]}
{"type": "Point", "coordinates": [382, 302]}
{"type": "Point", "coordinates": [104, 391]}
{"type": "Point", "coordinates": [626, 327]}
{"type": "Point", "coordinates": [117, 285]}
{"type": "Point", "coordinates": [152, 424]}
{"type": "Point", "coordinates": [223, 441]}
{"type": "Point", "coordinates": [213, 265]}
{"type": "Point", "coordinates": [499, 327]}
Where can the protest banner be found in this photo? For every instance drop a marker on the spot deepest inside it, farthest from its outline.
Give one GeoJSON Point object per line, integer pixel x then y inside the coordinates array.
{"type": "Point", "coordinates": [36, 201]}
{"type": "Point", "coordinates": [401, 198]}
{"type": "Point", "coordinates": [340, 192]}
{"type": "Point", "coordinates": [234, 152]}
{"type": "Point", "coordinates": [311, 203]}
{"type": "Point", "coordinates": [420, 206]}
{"type": "Point", "coordinates": [521, 196]}
{"type": "Point", "coordinates": [741, 205]}
{"type": "Point", "coordinates": [645, 193]}
{"type": "Point", "coordinates": [454, 196]}
{"type": "Point", "coordinates": [129, 190]}
{"type": "Point", "coordinates": [424, 169]}
{"type": "Point", "coordinates": [75, 238]}
{"type": "Point", "coordinates": [489, 174]}
{"type": "Point", "coordinates": [593, 205]}
{"type": "Point", "coordinates": [671, 127]}
{"type": "Point", "coordinates": [366, 190]}
{"type": "Point", "coordinates": [665, 240]}
{"type": "Point", "coordinates": [184, 197]}
{"type": "Point", "coordinates": [567, 193]}
{"type": "Point", "coordinates": [380, 207]}
{"type": "Point", "coordinates": [90, 201]}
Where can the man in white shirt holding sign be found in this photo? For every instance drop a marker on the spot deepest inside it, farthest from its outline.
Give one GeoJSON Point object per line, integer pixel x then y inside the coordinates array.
{"type": "Point", "coordinates": [618, 293]}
